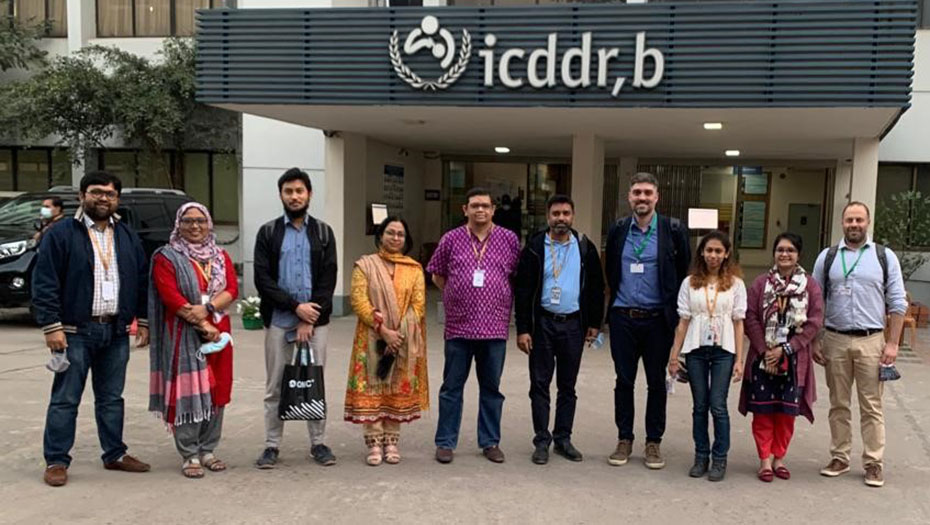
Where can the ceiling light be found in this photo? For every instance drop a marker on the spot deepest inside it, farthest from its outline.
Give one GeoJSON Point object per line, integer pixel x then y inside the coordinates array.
{"type": "Point", "coordinates": [713, 125]}
{"type": "Point", "coordinates": [732, 153]}
{"type": "Point", "coordinates": [502, 149]}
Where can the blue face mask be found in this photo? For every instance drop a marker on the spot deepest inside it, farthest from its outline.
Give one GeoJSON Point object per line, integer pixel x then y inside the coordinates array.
{"type": "Point", "coordinates": [212, 348]}
{"type": "Point", "coordinates": [45, 212]}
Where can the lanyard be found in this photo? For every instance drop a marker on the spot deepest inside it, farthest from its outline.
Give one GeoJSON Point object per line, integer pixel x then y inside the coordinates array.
{"type": "Point", "coordinates": [483, 244]}
{"type": "Point", "coordinates": [782, 301]}
{"type": "Point", "coordinates": [557, 265]}
{"type": "Point", "coordinates": [206, 274]}
{"type": "Point", "coordinates": [843, 257]}
{"type": "Point", "coordinates": [711, 308]}
{"type": "Point", "coordinates": [638, 250]}
{"type": "Point", "coordinates": [104, 258]}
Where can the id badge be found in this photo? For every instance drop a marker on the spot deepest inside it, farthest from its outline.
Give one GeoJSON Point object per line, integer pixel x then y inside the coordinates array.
{"type": "Point", "coordinates": [108, 291]}
{"type": "Point", "coordinates": [477, 279]}
{"type": "Point", "coordinates": [845, 290]}
{"type": "Point", "coordinates": [637, 268]}
{"type": "Point", "coordinates": [204, 299]}
{"type": "Point", "coordinates": [707, 338]}
{"type": "Point", "coordinates": [781, 335]}
{"type": "Point", "coordinates": [555, 297]}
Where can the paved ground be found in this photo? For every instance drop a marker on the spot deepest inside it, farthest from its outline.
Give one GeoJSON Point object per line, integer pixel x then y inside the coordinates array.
{"type": "Point", "coordinates": [471, 490]}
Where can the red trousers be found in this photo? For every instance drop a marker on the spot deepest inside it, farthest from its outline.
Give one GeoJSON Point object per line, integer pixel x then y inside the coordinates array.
{"type": "Point", "coordinates": [772, 433]}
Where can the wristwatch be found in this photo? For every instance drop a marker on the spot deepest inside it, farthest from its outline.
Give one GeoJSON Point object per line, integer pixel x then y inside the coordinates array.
{"type": "Point", "coordinates": [210, 308]}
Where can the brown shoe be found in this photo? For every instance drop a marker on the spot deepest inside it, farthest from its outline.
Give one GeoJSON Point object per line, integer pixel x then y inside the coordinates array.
{"type": "Point", "coordinates": [127, 463]}
{"type": "Point", "coordinates": [654, 458]}
{"type": "Point", "coordinates": [622, 454]}
{"type": "Point", "coordinates": [873, 475]}
{"type": "Point", "coordinates": [444, 455]}
{"type": "Point", "coordinates": [494, 454]}
{"type": "Point", "coordinates": [56, 475]}
{"type": "Point", "coordinates": [835, 468]}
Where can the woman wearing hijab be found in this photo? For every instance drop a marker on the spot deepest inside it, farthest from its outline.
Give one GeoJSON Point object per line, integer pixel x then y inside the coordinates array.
{"type": "Point", "coordinates": [785, 313]}
{"type": "Point", "coordinates": [387, 371]}
{"type": "Point", "coordinates": [193, 283]}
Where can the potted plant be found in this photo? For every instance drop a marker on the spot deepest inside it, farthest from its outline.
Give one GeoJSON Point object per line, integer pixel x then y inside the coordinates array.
{"type": "Point", "coordinates": [248, 308]}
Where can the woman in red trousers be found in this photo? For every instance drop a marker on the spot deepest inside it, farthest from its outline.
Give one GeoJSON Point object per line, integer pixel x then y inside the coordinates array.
{"type": "Point", "coordinates": [784, 315]}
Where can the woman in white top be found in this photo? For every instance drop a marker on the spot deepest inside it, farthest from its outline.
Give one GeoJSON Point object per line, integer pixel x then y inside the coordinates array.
{"type": "Point", "coordinates": [711, 306]}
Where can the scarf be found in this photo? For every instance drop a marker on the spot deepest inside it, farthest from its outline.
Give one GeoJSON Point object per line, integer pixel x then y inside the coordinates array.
{"type": "Point", "coordinates": [384, 299]}
{"type": "Point", "coordinates": [795, 290]}
{"type": "Point", "coordinates": [206, 253]}
{"type": "Point", "coordinates": [186, 387]}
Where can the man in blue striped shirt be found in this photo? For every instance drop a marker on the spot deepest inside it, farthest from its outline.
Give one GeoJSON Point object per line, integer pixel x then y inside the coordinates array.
{"type": "Point", "coordinates": [855, 346]}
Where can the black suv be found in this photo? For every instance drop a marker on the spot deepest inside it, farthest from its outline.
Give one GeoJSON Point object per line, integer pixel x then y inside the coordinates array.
{"type": "Point", "coordinates": [150, 212]}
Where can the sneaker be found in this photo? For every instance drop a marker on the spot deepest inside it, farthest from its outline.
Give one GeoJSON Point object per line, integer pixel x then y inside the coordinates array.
{"type": "Point", "coordinates": [835, 468]}
{"type": "Point", "coordinates": [323, 455]}
{"type": "Point", "coordinates": [699, 468]}
{"type": "Point", "coordinates": [654, 458]}
{"type": "Point", "coordinates": [873, 475]}
{"type": "Point", "coordinates": [718, 470]}
{"type": "Point", "coordinates": [268, 459]}
{"type": "Point", "coordinates": [568, 451]}
{"type": "Point", "coordinates": [541, 454]}
{"type": "Point", "coordinates": [622, 454]}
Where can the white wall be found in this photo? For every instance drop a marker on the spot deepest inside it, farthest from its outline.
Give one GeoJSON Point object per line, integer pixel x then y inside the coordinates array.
{"type": "Point", "coordinates": [379, 154]}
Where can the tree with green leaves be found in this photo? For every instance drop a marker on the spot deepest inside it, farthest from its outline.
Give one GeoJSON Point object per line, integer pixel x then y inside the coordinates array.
{"type": "Point", "coordinates": [902, 222]}
{"type": "Point", "coordinates": [19, 43]}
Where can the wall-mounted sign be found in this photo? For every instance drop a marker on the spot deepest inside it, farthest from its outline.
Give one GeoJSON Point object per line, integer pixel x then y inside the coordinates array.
{"type": "Point", "coordinates": [393, 191]}
{"type": "Point", "coordinates": [431, 195]}
{"type": "Point", "coordinates": [543, 68]}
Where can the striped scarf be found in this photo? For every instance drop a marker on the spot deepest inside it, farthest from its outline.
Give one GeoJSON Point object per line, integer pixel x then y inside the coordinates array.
{"type": "Point", "coordinates": [181, 384]}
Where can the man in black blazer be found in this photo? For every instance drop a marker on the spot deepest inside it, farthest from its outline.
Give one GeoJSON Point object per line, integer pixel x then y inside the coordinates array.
{"type": "Point", "coordinates": [647, 259]}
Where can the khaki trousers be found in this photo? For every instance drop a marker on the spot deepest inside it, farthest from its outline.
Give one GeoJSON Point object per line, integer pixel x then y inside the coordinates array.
{"type": "Point", "coordinates": [856, 359]}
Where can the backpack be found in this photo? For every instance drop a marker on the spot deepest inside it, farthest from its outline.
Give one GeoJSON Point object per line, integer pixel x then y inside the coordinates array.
{"type": "Point", "coordinates": [831, 256]}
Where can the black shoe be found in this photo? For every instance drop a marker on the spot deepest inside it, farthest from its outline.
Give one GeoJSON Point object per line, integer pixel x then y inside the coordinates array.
{"type": "Point", "coordinates": [323, 455]}
{"type": "Point", "coordinates": [699, 468]}
{"type": "Point", "coordinates": [568, 451]}
{"type": "Point", "coordinates": [268, 459]}
{"type": "Point", "coordinates": [718, 470]}
{"type": "Point", "coordinates": [541, 454]}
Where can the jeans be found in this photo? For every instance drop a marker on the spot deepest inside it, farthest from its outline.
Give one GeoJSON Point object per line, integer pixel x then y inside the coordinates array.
{"type": "Point", "coordinates": [98, 349]}
{"type": "Point", "coordinates": [555, 343]}
{"type": "Point", "coordinates": [710, 369]}
{"type": "Point", "coordinates": [649, 339]}
{"type": "Point", "coordinates": [489, 364]}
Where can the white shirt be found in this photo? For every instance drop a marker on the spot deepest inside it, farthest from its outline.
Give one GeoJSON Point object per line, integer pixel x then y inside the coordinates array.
{"type": "Point", "coordinates": [106, 243]}
{"type": "Point", "coordinates": [692, 304]}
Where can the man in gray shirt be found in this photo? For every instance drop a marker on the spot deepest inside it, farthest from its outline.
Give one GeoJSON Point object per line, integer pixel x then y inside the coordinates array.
{"type": "Point", "coordinates": [859, 292]}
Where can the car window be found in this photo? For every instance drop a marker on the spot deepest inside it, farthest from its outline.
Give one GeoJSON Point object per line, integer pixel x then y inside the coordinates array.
{"type": "Point", "coordinates": [151, 216]}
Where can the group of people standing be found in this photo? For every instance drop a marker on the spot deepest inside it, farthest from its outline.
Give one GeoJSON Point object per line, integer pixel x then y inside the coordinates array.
{"type": "Point", "coordinates": [686, 320]}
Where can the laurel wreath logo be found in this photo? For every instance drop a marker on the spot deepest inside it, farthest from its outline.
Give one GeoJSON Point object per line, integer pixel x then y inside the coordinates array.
{"type": "Point", "coordinates": [444, 81]}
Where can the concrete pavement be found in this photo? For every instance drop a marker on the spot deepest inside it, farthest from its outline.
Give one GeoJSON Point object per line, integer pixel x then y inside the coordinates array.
{"type": "Point", "coordinates": [470, 490]}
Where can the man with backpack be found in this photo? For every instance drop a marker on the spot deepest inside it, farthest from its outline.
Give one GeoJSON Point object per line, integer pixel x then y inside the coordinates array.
{"type": "Point", "coordinates": [295, 274]}
{"type": "Point", "coordinates": [862, 283]}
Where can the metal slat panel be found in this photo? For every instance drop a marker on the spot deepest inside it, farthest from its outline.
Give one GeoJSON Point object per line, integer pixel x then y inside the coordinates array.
{"type": "Point", "coordinates": [800, 53]}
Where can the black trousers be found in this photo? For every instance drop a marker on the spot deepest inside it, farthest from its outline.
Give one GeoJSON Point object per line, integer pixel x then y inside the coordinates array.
{"type": "Point", "coordinates": [555, 343]}
{"type": "Point", "coordinates": [632, 339]}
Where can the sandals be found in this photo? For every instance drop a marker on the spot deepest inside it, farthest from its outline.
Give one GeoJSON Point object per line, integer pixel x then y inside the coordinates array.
{"type": "Point", "coordinates": [192, 469]}
{"type": "Point", "coordinates": [213, 463]}
{"type": "Point", "coordinates": [375, 456]}
{"type": "Point", "coordinates": [782, 472]}
{"type": "Point", "coordinates": [391, 454]}
{"type": "Point", "coordinates": [766, 475]}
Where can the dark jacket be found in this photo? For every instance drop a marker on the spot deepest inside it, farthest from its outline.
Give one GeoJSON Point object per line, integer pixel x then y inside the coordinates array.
{"type": "Point", "coordinates": [63, 284]}
{"type": "Point", "coordinates": [529, 285]}
{"type": "Point", "coordinates": [674, 252]}
{"type": "Point", "coordinates": [322, 264]}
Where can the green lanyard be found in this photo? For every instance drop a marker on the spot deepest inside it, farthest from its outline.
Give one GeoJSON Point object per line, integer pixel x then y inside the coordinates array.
{"type": "Point", "coordinates": [638, 250]}
{"type": "Point", "coordinates": [843, 256]}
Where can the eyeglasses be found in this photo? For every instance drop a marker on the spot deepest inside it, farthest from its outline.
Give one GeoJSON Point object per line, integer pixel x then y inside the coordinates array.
{"type": "Point", "coordinates": [190, 221]}
{"type": "Point", "coordinates": [786, 250]}
{"type": "Point", "coordinates": [99, 194]}
{"type": "Point", "coordinates": [395, 234]}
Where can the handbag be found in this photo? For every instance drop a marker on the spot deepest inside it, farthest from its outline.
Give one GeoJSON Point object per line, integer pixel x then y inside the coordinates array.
{"type": "Point", "coordinates": [303, 394]}
{"type": "Point", "coordinates": [385, 362]}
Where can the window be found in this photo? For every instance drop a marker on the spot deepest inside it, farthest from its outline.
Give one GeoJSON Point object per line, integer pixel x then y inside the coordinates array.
{"type": "Point", "coordinates": [894, 179]}
{"type": "Point", "coordinates": [33, 169]}
{"type": "Point", "coordinates": [224, 199]}
{"type": "Point", "coordinates": [55, 12]}
{"type": "Point", "coordinates": [149, 18]}
{"type": "Point", "coordinates": [150, 216]}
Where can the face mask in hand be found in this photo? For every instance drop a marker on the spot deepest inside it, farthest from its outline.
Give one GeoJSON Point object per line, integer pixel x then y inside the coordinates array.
{"type": "Point", "coordinates": [58, 362]}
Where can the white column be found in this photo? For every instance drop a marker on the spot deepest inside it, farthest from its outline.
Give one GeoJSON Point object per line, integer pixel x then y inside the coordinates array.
{"type": "Point", "coordinates": [82, 23]}
{"type": "Point", "coordinates": [841, 187]}
{"type": "Point", "coordinates": [865, 172]}
{"type": "Point", "coordinates": [344, 207]}
{"type": "Point", "coordinates": [588, 184]}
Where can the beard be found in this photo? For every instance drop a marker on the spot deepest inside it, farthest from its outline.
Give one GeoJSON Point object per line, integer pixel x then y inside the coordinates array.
{"type": "Point", "coordinates": [855, 236]}
{"type": "Point", "coordinates": [294, 214]}
{"type": "Point", "coordinates": [561, 228]}
{"type": "Point", "coordinates": [641, 209]}
{"type": "Point", "coordinates": [97, 214]}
